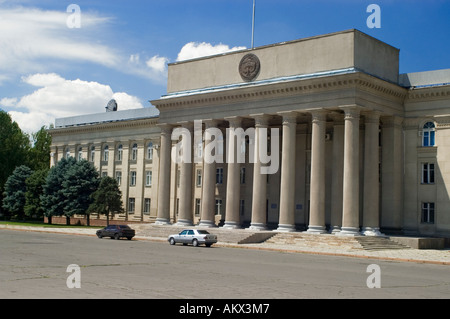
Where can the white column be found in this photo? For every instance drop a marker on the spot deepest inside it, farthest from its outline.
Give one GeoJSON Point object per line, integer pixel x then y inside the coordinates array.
{"type": "Point", "coordinates": [337, 173]}
{"type": "Point", "coordinates": [259, 198]}
{"type": "Point", "coordinates": [317, 184]}
{"type": "Point", "coordinates": [208, 183]}
{"type": "Point", "coordinates": [232, 218]}
{"type": "Point", "coordinates": [185, 214]}
{"type": "Point", "coordinates": [371, 213]}
{"type": "Point", "coordinates": [287, 185]}
{"type": "Point", "coordinates": [350, 204]}
{"type": "Point", "coordinates": [163, 213]}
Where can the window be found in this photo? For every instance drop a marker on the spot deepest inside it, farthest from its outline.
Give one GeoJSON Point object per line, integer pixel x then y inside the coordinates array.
{"type": "Point", "coordinates": [67, 153]}
{"type": "Point", "coordinates": [428, 213]}
{"type": "Point", "coordinates": [104, 174]}
{"type": "Point", "coordinates": [134, 151]}
{"type": "Point", "coordinates": [119, 152]}
{"type": "Point", "coordinates": [218, 209]}
{"type": "Point", "coordinates": [428, 134]}
{"type": "Point", "coordinates": [148, 178]}
{"type": "Point", "coordinates": [106, 153]}
{"type": "Point", "coordinates": [131, 205]}
{"type": "Point", "coordinates": [119, 178]}
{"type": "Point", "coordinates": [199, 178]}
{"type": "Point", "coordinates": [190, 232]}
{"type": "Point", "coordinates": [219, 175]}
{"type": "Point", "coordinates": [242, 175]}
{"type": "Point", "coordinates": [197, 206]}
{"type": "Point", "coordinates": [147, 203]}
{"type": "Point", "coordinates": [92, 157]}
{"type": "Point", "coordinates": [427, 173]}
{"type": "Point", "coordinates": [150, 151]}
{"type": "Point", "coordinates": [80, 154]}
{"type": "Point", "coordinates": [133, 178]}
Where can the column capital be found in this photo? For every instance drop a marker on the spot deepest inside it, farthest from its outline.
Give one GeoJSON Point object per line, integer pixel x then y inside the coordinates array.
{"type": "Point", "coordinates": [351, 112]}
{"type": "Point", "coordinates": [289, 117]}
{"type": "Point", "coordinates": [235, 121]}
{"type": "Point", "coordinates": [165, 128]}
{"type": "Point", "coordinates": [261, 120]}
{"type": "Point", "coordinates": [371, 116]}
{"type": "Point", "coordinates": [318, 115]}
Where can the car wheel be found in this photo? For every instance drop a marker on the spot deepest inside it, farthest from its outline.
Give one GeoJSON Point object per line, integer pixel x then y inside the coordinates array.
{"type": "Point", "coordinates": [172, 241]}
{"type": "Point", "coordinates": [99, 236]}
{"type": "Point", "coordinates": [195, 242]}
{"type": "Point", "coordinates": [129, 238]}
{"type": "Point", "coordinates": [208, 245]}
{"type": "Point", "coordinates": [116, 236]}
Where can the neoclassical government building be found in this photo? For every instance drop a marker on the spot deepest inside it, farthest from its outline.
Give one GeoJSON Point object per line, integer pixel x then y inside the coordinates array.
{"type": "Point", "coordinates": [321, 135]}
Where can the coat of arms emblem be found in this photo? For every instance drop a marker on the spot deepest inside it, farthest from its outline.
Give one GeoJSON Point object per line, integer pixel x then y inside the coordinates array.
{"type": "Point", "coordinates": [249, 67]}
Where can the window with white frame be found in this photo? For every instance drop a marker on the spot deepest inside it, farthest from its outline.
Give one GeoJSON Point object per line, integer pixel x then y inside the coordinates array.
{"type": "Point", "coordinates": [428, 134]}
{"type": "Point", "coordinates": [427, 173]}
{"type": "Point", "coordinates": [67, 153]}
{"type": "Point", "coordinates": [197, 206]}
{"type": "Point", "coordinates": [80, 154]}
{"type": "Point", "coordinates": [106, 153]}
{"type": "Point", "coordinates": [218, 208]}
{"type": "Point", "coordinates": [92, 157]}
{"type": "Point", "coordinates": [148, 178]}
{"type": "Point", "coordinates": [119, 178]}
{"type": "Point", "coordinates": [150, 151]}
{"type": "Point", "coordinates": [131, 205]}
{"type": "Point", "coordinates": [119, 152]}
{"type": "Point", "coordinates": [219, 175]}
{"type": "Point", "coordinates": [428, 213]}
{"type": "Point", "coordinates": [133, 178]}
{"type": "Point", "coordinates": [134, 152]}
{"type": "Point", "coordinates": [199, 178]}
{"type": "Point", "coordinates": [147, 203]}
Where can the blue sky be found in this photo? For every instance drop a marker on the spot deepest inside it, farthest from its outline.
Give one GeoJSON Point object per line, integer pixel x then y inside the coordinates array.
{"type": "Point", "coordinates": [122, 48]}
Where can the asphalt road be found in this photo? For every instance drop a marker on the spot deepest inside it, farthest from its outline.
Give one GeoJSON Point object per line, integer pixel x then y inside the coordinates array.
{"type": "Point", "coordinates": [34, 265]}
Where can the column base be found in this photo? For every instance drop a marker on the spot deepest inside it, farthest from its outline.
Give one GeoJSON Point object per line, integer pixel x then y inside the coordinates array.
{"type": "Point", "coordinates": [316, 230]}
{"type": "Point", "coordinates": [162, 221]}
{"type": "Point", "coordinates": [257, 226]}
{"type": "Point", "coordinates": [207, 223]}
{"type": "Point", "coordinates": [372, 231]}
{"type": "Point", "coordinates": [335, 229]}
{"type": "Point", "coordinates": [286, 228]}
{"type": "Point", "coordinates": [184, 222]}
{"type": "Point", "coordinates": [349, 231]}
{"type": "Point", "coordinates": [231, 225]}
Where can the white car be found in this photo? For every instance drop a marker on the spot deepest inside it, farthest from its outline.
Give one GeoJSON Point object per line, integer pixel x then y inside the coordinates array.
{"type": "Point", "coordinates": [194, 237]}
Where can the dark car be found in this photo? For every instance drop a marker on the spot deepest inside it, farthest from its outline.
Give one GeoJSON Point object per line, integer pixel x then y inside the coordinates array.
{"type": "Point", "coordinates": [116, 232]}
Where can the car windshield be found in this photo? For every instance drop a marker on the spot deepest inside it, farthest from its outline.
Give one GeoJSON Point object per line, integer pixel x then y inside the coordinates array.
{"type": "Point", "coordinates": [203, 232]}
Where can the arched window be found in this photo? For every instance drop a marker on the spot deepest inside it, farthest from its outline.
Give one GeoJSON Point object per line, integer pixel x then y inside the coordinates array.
{"type": "Point", "coordinates": [134, 151]}
{"type": "Point", "coordinates": [428, 134]}
{"type": "Point", "coordinates": [119, 152]}
{"type": "Point", "coordinates": [106, 153]}
{"type": "Point", "coordinates": [150, 151]}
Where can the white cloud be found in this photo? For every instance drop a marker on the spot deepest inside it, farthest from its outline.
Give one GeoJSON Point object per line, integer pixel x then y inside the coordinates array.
{"type": "Point", "coordinates": [158, 63]}
{"type": "Point", "coordinates": [57, 97]}
{"type": "Point", "coordinates": [194, 50]}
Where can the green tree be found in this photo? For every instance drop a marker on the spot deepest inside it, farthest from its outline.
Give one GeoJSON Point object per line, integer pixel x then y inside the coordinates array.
{"type": "Point", "coordinates": [52, 198]}
{"type": "Point", "coordinates": [107, 200]}
{"type": "Point", "coordinates": [14, 147]}
{"type": "Point", "coordinates": [15, 190]}
{"type": "Point", "coordinates": [39, 153]}
{"type": "Point", "coordinates": [35, 184]}
{"type": "Point", "coordinates": [81, 180]}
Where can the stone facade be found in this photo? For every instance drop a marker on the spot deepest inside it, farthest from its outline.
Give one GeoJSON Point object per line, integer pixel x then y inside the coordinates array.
{"type": "Point", "coordinates": [356, 147]}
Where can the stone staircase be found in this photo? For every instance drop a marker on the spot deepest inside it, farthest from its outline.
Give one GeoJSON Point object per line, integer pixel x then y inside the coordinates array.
{"type": "Point", "coordinates": [379, 243]}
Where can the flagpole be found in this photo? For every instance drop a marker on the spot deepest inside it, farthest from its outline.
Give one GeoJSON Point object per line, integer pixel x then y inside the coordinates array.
{"type": "Point", "coordinates": [253, 24]}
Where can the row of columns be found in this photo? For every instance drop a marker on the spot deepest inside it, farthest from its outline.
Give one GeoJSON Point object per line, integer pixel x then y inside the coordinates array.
{"type": "Point", "coordinates": [345, 183]}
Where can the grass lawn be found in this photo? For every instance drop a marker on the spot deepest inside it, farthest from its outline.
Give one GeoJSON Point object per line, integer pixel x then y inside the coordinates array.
{"type": "Point", "coordinates": [40, 224]}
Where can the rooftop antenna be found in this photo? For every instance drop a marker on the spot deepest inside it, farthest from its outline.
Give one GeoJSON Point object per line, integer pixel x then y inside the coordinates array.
{"type": "Point", "coordinates": [253, 24]}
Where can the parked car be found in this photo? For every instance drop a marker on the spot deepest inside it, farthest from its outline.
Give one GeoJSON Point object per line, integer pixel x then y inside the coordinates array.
{"type": "Point", "coordinates": [194, 237]}
{"type": "Point", "coordinates": [116, 232]}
